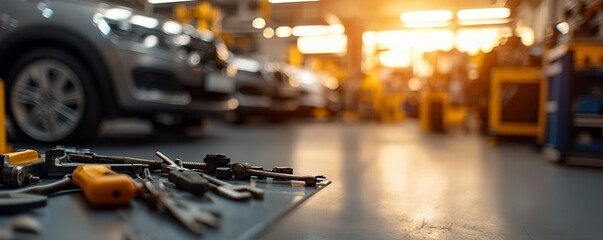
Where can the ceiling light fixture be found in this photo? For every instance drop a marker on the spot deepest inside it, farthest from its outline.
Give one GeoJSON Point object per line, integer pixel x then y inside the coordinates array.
{"type": "Point", "coordinates": [291, 1]}
{"type": "Point", "coordinates": [483, 13]}
{"type": "Point", "coordinates": [426, 16]}
{"type": "Point", "coordinates": [283, 31]}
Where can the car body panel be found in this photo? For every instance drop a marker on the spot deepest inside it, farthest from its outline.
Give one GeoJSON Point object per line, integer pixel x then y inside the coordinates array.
{"type": "Point", "coordinates": [260, 89]}
{"type": "Point", "coordinates": [120, 56]}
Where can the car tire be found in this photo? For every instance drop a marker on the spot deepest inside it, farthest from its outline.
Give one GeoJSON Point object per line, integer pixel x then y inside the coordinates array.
{"type": "Point", "coordinates": [51, 98]}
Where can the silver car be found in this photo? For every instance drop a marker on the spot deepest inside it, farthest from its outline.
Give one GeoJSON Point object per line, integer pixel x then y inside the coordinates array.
{"type": "Point", "coordinates": [68, 64]}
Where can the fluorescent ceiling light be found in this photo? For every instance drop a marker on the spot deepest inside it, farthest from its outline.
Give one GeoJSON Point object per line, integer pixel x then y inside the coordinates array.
{"type": "Point", "coordinates": [323, 44]}
{"type": "Point", "coordinates": [283, 31]}
{"type": "Point", "coordinates": [426, 24]}
{"type": "Point", "coordinates": [291, 1]}
{"type": "Point", "coordinates": [483, 13]}
{"type": "Point", "coordinates": [484, 21]}
{"type": "Point", "coordinates": [337, 29]}
{"type": "Point", "coordinates": [167, 1]}
{"type": "Point", "coordinates": [311, 30]}
{"type": "Point", "coordinates": [426, 16]}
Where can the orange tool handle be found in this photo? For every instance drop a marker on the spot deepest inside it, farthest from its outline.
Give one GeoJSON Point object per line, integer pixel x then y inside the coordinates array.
{"type": "Point", "coordinates": [22, 157]}
{"type": "Point", "coordinates": [103, 187]}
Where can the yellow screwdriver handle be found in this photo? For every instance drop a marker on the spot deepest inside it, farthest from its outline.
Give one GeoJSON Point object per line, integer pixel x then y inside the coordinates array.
{"type": "Point", "coordinates": [103, 187]}
{"type": "Point", "coordinates": [22, 157]}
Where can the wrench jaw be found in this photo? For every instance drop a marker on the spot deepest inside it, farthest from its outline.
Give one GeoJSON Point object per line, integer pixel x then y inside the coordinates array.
{"type": "Point", "coordinates": [239, 171]}
{"type": "Point", "coordinates": [311, 181]}
{"type": "Point", "coordinates": [232, 194]}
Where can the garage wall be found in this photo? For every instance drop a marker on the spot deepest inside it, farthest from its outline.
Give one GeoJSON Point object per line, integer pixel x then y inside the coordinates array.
{"type": "Point", "coordinates": [274, 48]}
{"type": "Point", "coordinates": [536, 17]}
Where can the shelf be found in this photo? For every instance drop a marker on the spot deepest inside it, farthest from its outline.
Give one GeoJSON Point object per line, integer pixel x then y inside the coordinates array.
{"type": "Point", "coordinates": [590, 72]}
{"type": "Point", "coordinates": [585, 159]}
{"type": "Point", "coordinates": [588, 120]}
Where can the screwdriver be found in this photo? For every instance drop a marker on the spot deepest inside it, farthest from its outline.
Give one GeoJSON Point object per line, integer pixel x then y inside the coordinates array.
{"type": "Point", "coordinates": [103, 187]}
{"type": "Point", "coordinates": [184, 178]}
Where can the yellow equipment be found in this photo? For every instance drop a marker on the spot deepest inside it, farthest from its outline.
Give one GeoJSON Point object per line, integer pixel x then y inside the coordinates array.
{"type": "Point", "coordinates": [205, 15]}
{"type": "Point", "coordinates": [22, 157]}
{"type": "Point", "coordinates": [517, 76]}
{"type": "Point", "coordinates": [103, 187]}
{"type": "Point", "coordinates": [4, 147]}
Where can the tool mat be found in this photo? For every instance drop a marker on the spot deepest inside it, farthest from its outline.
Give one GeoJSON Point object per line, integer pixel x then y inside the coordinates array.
{"type": "Point", "coordinates": [68, 215]}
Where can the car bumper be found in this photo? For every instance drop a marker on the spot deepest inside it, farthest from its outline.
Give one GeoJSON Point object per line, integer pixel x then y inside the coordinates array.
{"type": "Point", "coordinates": [265, 104]}
{"type": "Point", "coordinates": [160, 82]}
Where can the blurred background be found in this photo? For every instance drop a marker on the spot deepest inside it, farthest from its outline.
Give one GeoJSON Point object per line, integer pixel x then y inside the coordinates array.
{"type": "Point", "coordinates": [427, 99]}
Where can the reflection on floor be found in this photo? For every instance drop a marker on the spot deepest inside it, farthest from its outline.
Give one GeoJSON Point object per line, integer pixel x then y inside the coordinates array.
{"type": "Point", "coordinates": [395, 182]}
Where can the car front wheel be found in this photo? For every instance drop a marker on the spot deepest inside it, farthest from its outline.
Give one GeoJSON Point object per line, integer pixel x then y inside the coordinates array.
{"type": "Point", "coordinates": [51, 98]}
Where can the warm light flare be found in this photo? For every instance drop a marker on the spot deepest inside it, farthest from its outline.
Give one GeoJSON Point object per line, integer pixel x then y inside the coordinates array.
{"type": "Point", "coordinates": [426, 16]}
{"type": "Point", "coordinates": [427, 24]}
{"type": "Point", "coordinates": [474, 22]}
{"type": "Point", "coordinates": [310, 30]}
{"type": "Point", "coordinates": [395, 59]}
{"type": "Point", "coordinates": [336, 44]}
{"type": "Point", "coordinates": [483, 13]}
{"type": "Point", "coordinates": [258, 23]}
{"type": "Point", "coordinates": [563, 27]}
{"type": "Point", "coordinates": [526, 34]}
{"type": "Point", "coordinates": [283, 31]}
{"type": "Point", "coordinates": [291, 1]}
{"type": "Point", "coordinates": [268, 32]}
{"type": "Point", "coordinates": [474, 40]}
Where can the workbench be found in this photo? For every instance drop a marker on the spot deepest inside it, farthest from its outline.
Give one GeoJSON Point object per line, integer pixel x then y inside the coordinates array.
{"type": "Point", "coordinates": [69, 216]}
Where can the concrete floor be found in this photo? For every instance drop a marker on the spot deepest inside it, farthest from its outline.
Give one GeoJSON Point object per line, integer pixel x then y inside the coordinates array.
{"type": "Point", "coordinates": [394, 182]}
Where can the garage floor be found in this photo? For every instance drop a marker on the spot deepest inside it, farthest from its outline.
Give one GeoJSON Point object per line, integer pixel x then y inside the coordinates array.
{"type": "Point", "coordinates": [395, 182]}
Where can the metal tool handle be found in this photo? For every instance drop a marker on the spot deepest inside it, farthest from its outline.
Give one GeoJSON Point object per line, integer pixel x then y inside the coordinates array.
{"type": "Point", "coordinates": [168, 160]}
{"type": "Point", "coordinates": [189, 180]}
{"type": "Point", "coordinates": [47, 189]}
{"type": "Point", "coordinates": [309, 180]}
{"type": "Point", "coordinates": [186, 179]}
{"type": "Point", "coordinates": [96, 158]}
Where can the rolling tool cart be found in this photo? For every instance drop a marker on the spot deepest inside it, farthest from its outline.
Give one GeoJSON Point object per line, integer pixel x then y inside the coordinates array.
{"type": "Point", "coordinates": [432, 110]}
{"type": "Point", "coordinates": [575, 103]}
{"type": "Point", "coordinates": [512, 113]}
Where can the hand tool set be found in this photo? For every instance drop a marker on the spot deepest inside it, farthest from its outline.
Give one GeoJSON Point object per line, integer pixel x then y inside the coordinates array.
{"type": "Point", "coordinates": [28, 179]}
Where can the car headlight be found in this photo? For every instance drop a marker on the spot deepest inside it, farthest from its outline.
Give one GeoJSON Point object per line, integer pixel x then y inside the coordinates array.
{"type": "Point", "coordinates": [193, 58]}
{"type": "Point", "coordinates": [147, 30]}
{"type": "Point", "coordinates": [222, 50]}
{"type": "Point", "coordinates": [172, 28]}
{"type": "Point", "coordinates": [231, 70]}
{"type": "Point", "coordinates": [181, 40]}
{"type": "Point", "coordinates": [150, 41]}
{"type": "Point", "coordinates": [293, 82]}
